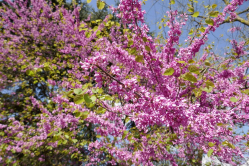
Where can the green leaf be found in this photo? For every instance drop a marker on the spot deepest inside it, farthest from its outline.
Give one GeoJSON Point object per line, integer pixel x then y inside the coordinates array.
{"type": "Point", "coordinates": [214, 13]}
{"type": "Point", "coordinates": [208, 89]}
{"type": "Point", "coordinates": [78, 91]}
{"type": "Point", "coordinates": [74, 140]}
{"type": "Point", "coordinates": [190, 77]}
{"type": "Point", "coordinates": [124, 134]}
{"type": "Point", "coordinates": [220, 124]}
{"type": "Point", "coordinates": [209, 83]}
{"type": "Point", "coordinates": [127, 119]}
{"type": "Point", "coordinates": [88, 34]}
{"type": "Point", "coordinates": [77, 114]}
{"type": "Point", "coordinates": [172, 2]}
{"type": "Point", "coordinates": [202, 29]}
{"type": "Point", "coordinates": [231, 145]}
{"type": "Point", "coordinates": [139, 58]}
{"type": "Point", "coordinates": [130, 42]}
{"type": "Point", "coordinates": [214, 6]}
{"type": "Point", "coordinates": [196, 14]}
{"type": "Point", "coordinates": [147, 48]}
{"type": "Point", "coordinates": [100, 5]}
{"type": "Point", "coordinates": [169, 72]}
{"type": "Point", "coordinates": [209, 21]}
{"type": "Point", "coordinates": [210, 152]}
{"type": "Point", "coordinates": [145, 39]}
{"type": "Point", "coordinates": [98, 33]}
{"type": "Point", "coordinates": [129, 137]}
{"type": "Point", "coordinates": [100, 90]}
{"type": "Point", "coordinates": [233, 99]}
{"type": "Point", "coordinates": [88, 1]}
{"type": "Point", "coordinates": [100, 110]}
{"type": "Point", "coordinates": [211, 144]}
{"type": "Point", "coordinates": [246, 91]}
{"type": "Point", "coordinates": [85, 114]}
{"type": "Point", "coordinates": [191, 10]}
{"type": "Point", "coordinates": [225, 143]}
{"type": "Point", "coordinates": [181, 62]}
{"type": "Point", "coordinates": [30, 73]}
{"type": "Point", "coordinates": [78, 99]}
{"type": "Point", "coordinates": [207, 63]}
{"type": "Point", "coordinates": [193, 69]}
{"type": "Point", "coordinates": [87, 98]}
{"type": "Point", "coordinates": [191, 61]}
{"type": "Point", "coordinates": [133, 51]}
{"type": "Point", "coordinates": [191, 32]}
{"type": "Point", "coordinates": [93, 98]}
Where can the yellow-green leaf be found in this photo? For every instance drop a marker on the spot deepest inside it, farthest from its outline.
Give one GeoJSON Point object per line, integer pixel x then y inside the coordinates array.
{"type": "Point", "coordinates": [169, 72]}
{"type": "Point", "coordinates": [88, 1]}
{"type": "Point", "coordinates": [85, 114]}
{"type": "Point", "coordinates": [209, 83]}
{"type": "Point", "coordinates": [231, 145]}
{"type": "Point", "coordinates": [210, 152]}
{"type": "Point", "coordinates": [191, 61]}
{"type": "Point", "coordinates": [124, 134]}
{"type": "Point", "coordinates": [147, 48]}
{"type": "Point", "coordinates": [196, 14]}
{"type": "Point", "coordinates": [133, 51]}
{"type": "Point", "coordinates": [208, 89]}
{"type": "Point", "coordinates": [100, 4]}
{"type": "Point", "coordinates": [145, 39]}
{"type": "Point", "coordinates": [87, 98]}
{"type": "Point", "coordinates": [211, 144]}
{"type": "Point", "coordinates": [214, 6]}
{"type": "Point", "coordinates": [139, 58]}
{"type": "Point", "coordinates": [214, 13]}
{"type": "Point", "coordinates": [93, 98]}
{"type": "Point", "coordinates": [209, 21]}
{"type": "Point", "coordinates": [190, 77]}
{"type": "Point", "coordinates": [233, 99]}
{"type": "Point", "coordinates": [191, 10]}
{"type": "Point", "coordinates": [193, 69]}
{"type": "Point", "coordinates": [78, 99]}
{"type": "Point", "coordinates": [207, 63]}
{"type": "Point", "coordinates": [181, 62]}
{"type": "Point", "coordinates": [78, 91]}
{"type": "Point", "coordinates": [172, 2]}
{"type": "Point", "coordinates": [202, 29]}
{"type": "Point", "coordinates": [130, 42]}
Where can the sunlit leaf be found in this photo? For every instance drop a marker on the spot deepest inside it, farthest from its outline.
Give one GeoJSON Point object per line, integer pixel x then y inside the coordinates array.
{"type": "Point", "coordinates": [211, 144]}
{"type": "Point", "coordinates": [100, 5]}
{"type": "Point", "coordinates": [139, 58]}
{"type": "Point", "coordinates": [214, 6]}
{"type": "Point", "coordinates": [147, 48]}
{"type": "Point", "coordinates": [78, 99]}
{"type": "Point", "coordinates": [190, 77]}
{"type": "Point", "coordinates": [78, 91]}
{"type": "Point", "coordinates": [87, 98]}
{"type": "Point", "coordinates": [196, 14]}
{"type": "Point", "coordinates": [209, 21]}
{"type": "Point", "coordinates": [214, 13]}
{"type": "Point", "coordinates": [124, 134]}
{"type": "Point", "coordinates": [210, 152]}
{"type": "Point", "coordinates": [233, 99]}
{"type": "Point", "coordinates": [169, 72]}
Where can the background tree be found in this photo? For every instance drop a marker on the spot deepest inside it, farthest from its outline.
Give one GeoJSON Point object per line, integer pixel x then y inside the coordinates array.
{"type": "Point", "coordinates": [37, 68]}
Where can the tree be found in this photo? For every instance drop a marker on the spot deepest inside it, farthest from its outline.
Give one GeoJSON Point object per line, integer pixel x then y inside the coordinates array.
{"type": "Point", "coordinates": [145, 101]}
{"type": "Point", "coordinates": [27, 79]}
